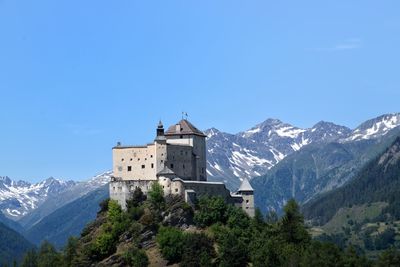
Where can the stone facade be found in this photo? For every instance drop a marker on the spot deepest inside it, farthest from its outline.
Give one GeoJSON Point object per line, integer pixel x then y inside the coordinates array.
{"type": "Point", "coordinates": [177, 160]}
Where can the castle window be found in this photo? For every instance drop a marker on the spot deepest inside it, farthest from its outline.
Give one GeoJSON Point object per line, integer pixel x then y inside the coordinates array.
{"type": "Point", "coordinates": [151, 156]}
{"type": "Point", "coordinates": [138, 159]}
{"type": "Point", "coordinates": [183, 166]}
{"type": "Point", "coordinates": [131, 159]}
{"type": "Point", "coordinates": [181, 136]}
{"type": "Point", "coordinates": [129, 168]}
{"type": "Point", "coordinates": [181, 153]}
{"type": "Point", "coordinates": [145, 158]}
{"type": "Point", "coordinates": [247, 201]}
{"type": "Point", "coordinates": [143, 166]}
{"type": "Point", "coordinates": [122, 159]}
{"type": "Point", "coordinates": [202, 170]}
{"type": "Point", "coordinates": [162, 161]}
{"type": "Point", "coordinates": [172, 166]}
{"type": "Point", "coordinates": [152, 165]}
{"type": "Point", "coordinates": [186, 153]}
{"type": "Point", "coordinates": [176, 190]}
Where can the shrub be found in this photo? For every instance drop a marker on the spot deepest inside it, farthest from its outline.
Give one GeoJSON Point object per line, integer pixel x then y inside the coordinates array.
{"type": "Point", "coordinates": [156, 196]}
{"type": "Point", "coordinates": [170, 241]}
{"type": "Point", "coordinates": [210, 210]}
{"type": "Point", "coordinates": [198, 250]}
{"type": "Point", "coordinates": [136, 257]}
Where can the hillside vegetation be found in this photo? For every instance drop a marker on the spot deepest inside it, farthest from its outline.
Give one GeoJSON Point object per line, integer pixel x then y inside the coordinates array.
{"type": "Point", "coordinates": [364, 213]}
{"type": "Point", "coordinates": [12, 246]}
{"type": "Point", "coordinates": [158, 231]}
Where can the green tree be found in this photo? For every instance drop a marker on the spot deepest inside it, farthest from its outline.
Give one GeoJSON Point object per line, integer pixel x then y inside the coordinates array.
{"type": "Point", "coordinates": [210, 210]}
{"type": "Point", "coordinates": [198, 250]}
{"type": "Point", "coordinates": [70, 251]}
{"type": "Point", "coordinates": [389, 258]}
{"type": "Point", "coordinates": [322, 254]}
{"type": "Point", "coordinates": [48, 255]}
{"type": "Point", "coordinates": [292, 224]}
{"type": "Point", "coordinates": [232, 250]}
{"type": "Point", "coordinates": [30, 259]}
{"type": "Point", "coordinates": [156, 196]}
{"type": "Point", "coordinates": [136, 258]}
{"type": "Point", "coordinates": [170, 241]}
{"type": "Point", "coordinates": [137, 198]}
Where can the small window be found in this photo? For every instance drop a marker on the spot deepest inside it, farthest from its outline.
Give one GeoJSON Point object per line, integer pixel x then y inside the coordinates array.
{"type": "Point", "coordinates": [176, 189]}
{"type": "Point", "coordinates": [152, 165]}
{"type": "Point", "coordinates": [145, 158]}
{"type": "Point", "coordinates": [172, 166]}
{"type": "Point", "coordinates": [183, 166]}
{"type": "Point", "coordinates": [129, 168]}
{"type": "Point", "coordinates": [247, 201]}
{"type": "Point", "coordinates": [131, 159]}
{"type": "Point", "coordinates": [122, 159]}
{"type": "Point", "coordinates": [143, 166]}
{"type": "Point", "coordinates": [186, 153]}
{"type": "Point", "coordinates": [162, 154]}
{"type": "Point", "coordinates": [151, 156]}
{"type": "Point", "coordinates": [138, 159]}
{"type": "Point", "coordinates": [181, 153]}
{"type": "Point", "coordinates": [181, 136]}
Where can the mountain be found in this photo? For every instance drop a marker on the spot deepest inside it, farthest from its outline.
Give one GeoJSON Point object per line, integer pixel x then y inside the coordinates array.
{"type": "Point", "coordinates": [378, 181]}
{"type": "Point", "coordinates": [12, 246]}
{"type": "Point", "coordinates": [55, 202]}
{"type": "Point", "coordinates": [231, 157]}
{"type": "Point", "coordinates": [320, 167]}
{"type": "Point", "coordinates": [69, 220]}
{"type": "Point", "coordinates": [375, 128]}
{"type": "Point", "coordinates": [18, 198]}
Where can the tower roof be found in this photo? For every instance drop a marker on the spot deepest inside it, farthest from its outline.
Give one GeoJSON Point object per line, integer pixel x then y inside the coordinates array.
{"type": "Point", "coordinates": [184, 127]}
{"type": "Point", "coordinates": [245, 186]}
{"type": "Point", "coordinates": [166, 172]}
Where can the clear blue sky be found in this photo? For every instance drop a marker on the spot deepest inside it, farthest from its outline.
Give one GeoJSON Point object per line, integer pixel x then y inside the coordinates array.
{"type": "Point", "coordinates": [78, 76]}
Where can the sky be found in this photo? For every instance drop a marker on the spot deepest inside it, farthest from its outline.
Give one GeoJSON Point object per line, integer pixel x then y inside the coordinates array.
{"type": "Point", "coordinates": [78, 76]}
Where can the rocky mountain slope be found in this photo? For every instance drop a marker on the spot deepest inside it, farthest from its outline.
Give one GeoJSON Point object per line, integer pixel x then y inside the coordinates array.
{"type": "Point", "coordinates": [377, 181]}
{"type": "Point", "coordinates": [69, 220]}
{"type": "Point", "coordinates": [18, 198]}
{"type": "Point", "coordinates": [232, 157]}
{"type": "Point", "coordinates": [78, 190]}
{"type": "Point", "coordinates": [318, 168]}
{"type": "Point", "coordinates": [12, 246]}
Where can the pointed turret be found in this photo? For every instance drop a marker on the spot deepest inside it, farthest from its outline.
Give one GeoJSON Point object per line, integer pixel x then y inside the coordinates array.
{"type": "Point", "coordinates": [245, 186]}
{"type": "Point", "coordinates": [160, 132]}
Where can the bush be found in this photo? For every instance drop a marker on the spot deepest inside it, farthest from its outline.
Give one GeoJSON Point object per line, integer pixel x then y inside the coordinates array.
{"type": "Point", "coordinates": [170, 241]}
{"type": "Point", "coordinates": [210, 210]}
{"type": "Point", "coordinates": [156, 196]}
{"type": "Point", "coordinates": [198, 250]}
{"type": "Point", "coordinates": [136, 258]}
{"type": "Point", "coordinates": [104, 205]}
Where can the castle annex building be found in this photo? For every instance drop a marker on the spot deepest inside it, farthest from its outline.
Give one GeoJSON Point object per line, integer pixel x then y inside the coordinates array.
{"type": "Point", "coordinates": [177, 160]}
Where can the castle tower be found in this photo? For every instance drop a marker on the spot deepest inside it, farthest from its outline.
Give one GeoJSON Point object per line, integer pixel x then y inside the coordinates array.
{"type": "Point", "coordinates": [247, 192]}
{"type": "Point", "coordinates": [160, 143]}
{"type": "Point", "coordinates": [186, 134]}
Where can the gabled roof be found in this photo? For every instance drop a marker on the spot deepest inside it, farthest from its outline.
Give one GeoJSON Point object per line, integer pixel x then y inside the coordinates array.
{"type": "Point", "coordinates": [245, 186]}
{"type": "Point", "coordinates": [166, 172]}
{"type": "Point", "coordinates": [183, 127]}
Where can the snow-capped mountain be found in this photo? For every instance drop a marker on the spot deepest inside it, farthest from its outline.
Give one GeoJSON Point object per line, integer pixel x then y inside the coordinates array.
{"type": "Point", "coordinates": [375, 128]}
{"type": "Point", "coordinates": [18, 198]}
{"type": "Point", "coordinates": [231, 157]}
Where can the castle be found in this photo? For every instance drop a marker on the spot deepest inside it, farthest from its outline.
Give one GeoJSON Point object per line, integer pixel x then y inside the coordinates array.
{"type": "Point", "coordinates": [177, 161]}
